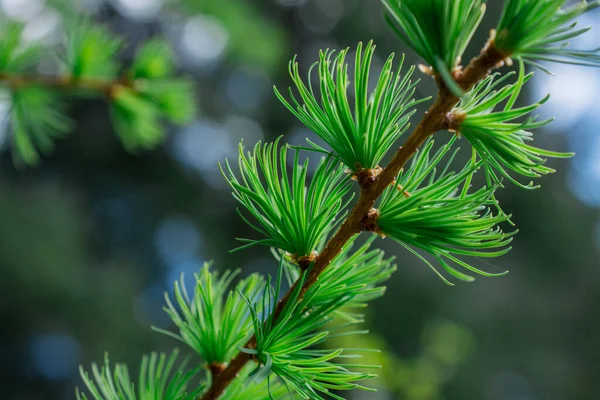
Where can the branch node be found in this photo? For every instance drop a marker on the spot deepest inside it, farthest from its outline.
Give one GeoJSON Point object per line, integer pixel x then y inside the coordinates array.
{"type": "Point", "coordinates": [303, 262]}
{"type": "Point", "coordinates": [453, 121]}
{"type": "Point", "coordinates": [366, 177]}
{"type": "Point", "coordinates": [216, 368]}
{"type": "Point", "coordinates": [369, 222]}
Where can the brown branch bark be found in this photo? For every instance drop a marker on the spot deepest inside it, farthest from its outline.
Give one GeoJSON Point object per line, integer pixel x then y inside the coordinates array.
{"type": "Point", "coordinates": [106, 87]}
{"type": "Point", "coordinates": [433, 121]}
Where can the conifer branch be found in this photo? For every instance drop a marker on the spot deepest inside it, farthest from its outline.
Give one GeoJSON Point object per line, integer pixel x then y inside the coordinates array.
{"type": "Point", "coordinates": [435, 119]}
{"type": "Point", "coordinates": [141, 97]}
{"type": "Point", "coordinates": [424, 205]}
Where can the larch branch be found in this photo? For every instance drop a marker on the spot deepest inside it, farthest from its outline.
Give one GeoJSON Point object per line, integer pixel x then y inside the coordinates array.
{"type": "Point", "coordinates": [433, 121]}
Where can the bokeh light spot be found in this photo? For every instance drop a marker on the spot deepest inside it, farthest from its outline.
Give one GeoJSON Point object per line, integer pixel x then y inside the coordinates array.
{"type": "Point", "coordinates": [55, 356]}
{"type": "Point", "coordinates": [203, 40]}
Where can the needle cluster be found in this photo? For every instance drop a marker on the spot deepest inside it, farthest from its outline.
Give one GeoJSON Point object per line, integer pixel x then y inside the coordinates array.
{"type": "Point", "coordinates": [500, 135]}
{"type": "Point", "coordinates": [541, 30]}
{"type": "Point", "coordinates": [438, 30]}
{"type": "Point", "coordinates": [290, 213]}
{"type": "Point", "coordinates": [360, 130]}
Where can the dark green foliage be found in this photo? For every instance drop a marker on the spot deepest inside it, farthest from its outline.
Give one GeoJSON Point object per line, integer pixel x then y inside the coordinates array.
{"type": "Point", "coordinates": [150, 95]}
{"type": "Point", "coordinates": [154, 60]}
{"type": "Point", "coordinates": [35, 132]}
{"type": "Point", "coordinates": [430, 211]}
{"type": "Point", "coordinates": [159, 379]}
{"type": "Point", "coordinates": [214, 321]}
{"type": "Point", "coordinates": [16, 56]}
{"type": "Point", "coordinates": [362, 134]}
{"type": "Point", "coordinates": [540, 30]}
{"type": "Point", "coordinates": [91, 51]}
{"type": "Point", "coordinates": [438, 30]}
{"type": "Point", "coordinates": [292, 215]}
{"type": "Point", "coordinates": [136, 119]}
{"type": "Point", "coordinates": [497, 136]}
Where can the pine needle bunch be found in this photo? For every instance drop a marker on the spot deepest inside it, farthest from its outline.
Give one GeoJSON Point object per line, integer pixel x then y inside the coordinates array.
{"type": "Point", "coordinates": [154, 94]}
{"type": "Point", "coordinates": [83, 58]}
{"type": "Point", "coordinates": [291, 216]}
{"type": "Point", "coordinates": [36, 131]}
{"type": "Point", "coordinates": [497, 136]}
{"type": "Point", "coordinates": [361, 134]}
{"type": "Point", "coordinates": [289, 346]}
{"type": "Point", "coordinates": [438, 30]}
{"type": "Point", "coordinates": [433, 211]}
{"type": "Point", "coordinates": [142, 98]}
{"type": "Point", "coordinates": [31, 130]}
{"type": "Point", "coordinates": [540, 30]}
{"type": "Point", "coordinates": [159, 379]}
{"type": "Point", "coordinates": [359, 271]}
{"type": "Point", "coordinates": [253, 340]}
{"type": "Point", "coordinates": [214, 321]}
{"type": "Point", "coordinates": [15, 55]}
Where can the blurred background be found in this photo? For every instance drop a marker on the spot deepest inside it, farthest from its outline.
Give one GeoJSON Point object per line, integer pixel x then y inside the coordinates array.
{"type": "Point", "coordinates": [91, 239]}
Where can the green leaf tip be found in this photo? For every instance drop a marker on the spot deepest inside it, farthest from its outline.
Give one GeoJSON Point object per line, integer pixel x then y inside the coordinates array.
{"type": "Point", "coordinates": [153, 73]}
{"type": "Point", "coordinates": [136, 119]}
{"type": "Point", "coordinates": [138, 111]}
{"type": "Point", "coordinates": [17, 55]}
{"type": "Point", "coordinates": [250, 386]}
{"type": "Point", "coordinates": [153, 60]}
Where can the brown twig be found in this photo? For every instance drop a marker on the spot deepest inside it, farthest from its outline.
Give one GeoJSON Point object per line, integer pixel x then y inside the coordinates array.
{"type": "Point", "coordinates": [104, 86]}
{"type": "Point", "coordinates": [434, 120]}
